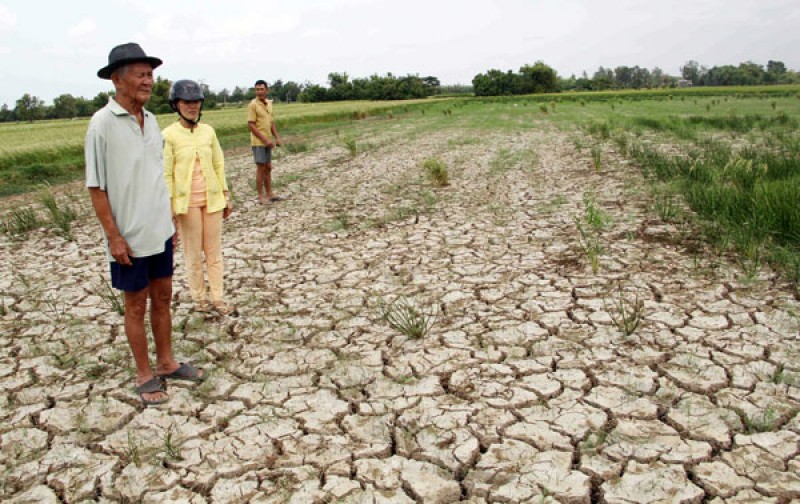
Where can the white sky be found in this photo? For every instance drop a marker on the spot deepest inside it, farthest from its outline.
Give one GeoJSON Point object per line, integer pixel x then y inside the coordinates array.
{"type": "Point", "coordinates": [50, 48]}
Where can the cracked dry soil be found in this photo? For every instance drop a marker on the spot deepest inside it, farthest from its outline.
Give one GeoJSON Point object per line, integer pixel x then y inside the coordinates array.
{"type": "Point", "coordinates": [524, 390]}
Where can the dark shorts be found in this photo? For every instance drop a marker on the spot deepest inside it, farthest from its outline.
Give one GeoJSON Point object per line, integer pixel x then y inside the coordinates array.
{"type": "Point", "coordinates": [137, 276]}
{"type": "Point", "coordinates": [262, 155]}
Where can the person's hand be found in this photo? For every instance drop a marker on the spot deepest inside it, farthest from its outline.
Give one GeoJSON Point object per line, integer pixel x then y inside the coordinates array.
{"type": "Point", "coordinates": [278, 142]}
{"type": "Point", "coordinates": [227, 211]}
{"type": "Point", "coordinates": [120, 250]}
{"type": "Point", "coordinates": [176, 237]}
{"type": "Point", "coordinates": [269, 145]}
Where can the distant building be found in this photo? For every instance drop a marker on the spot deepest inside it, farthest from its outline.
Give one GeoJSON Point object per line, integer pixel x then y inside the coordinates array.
{"type": "Point", "coordinates": [685, 83]}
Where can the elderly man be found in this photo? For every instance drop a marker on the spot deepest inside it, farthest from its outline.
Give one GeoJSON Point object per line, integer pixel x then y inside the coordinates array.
{"type": "Point", "coordinates": [125, 178]}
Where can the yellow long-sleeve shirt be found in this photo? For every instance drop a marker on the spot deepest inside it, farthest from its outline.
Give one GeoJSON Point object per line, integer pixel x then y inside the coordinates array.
{"type": "Point", "coordinates": [182, 147]}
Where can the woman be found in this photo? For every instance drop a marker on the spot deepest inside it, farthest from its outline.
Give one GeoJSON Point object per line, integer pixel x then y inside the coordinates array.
{"type": "Point", "coordinates": [194, 168]}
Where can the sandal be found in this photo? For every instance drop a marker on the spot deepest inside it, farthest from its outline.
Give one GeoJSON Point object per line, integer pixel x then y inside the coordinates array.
{"type": "Point", "coordinates": [185, 372]}
{"type": "Point", "coordinates": [202, 307]}
{"type": "Point", "coordinates": [224, 308]}
{"type": "Point", "coordinates": [154, 384]}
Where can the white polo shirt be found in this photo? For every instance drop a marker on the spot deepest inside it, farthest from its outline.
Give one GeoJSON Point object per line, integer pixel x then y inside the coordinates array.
{"type": "Point", "coordinates": [127, 163]}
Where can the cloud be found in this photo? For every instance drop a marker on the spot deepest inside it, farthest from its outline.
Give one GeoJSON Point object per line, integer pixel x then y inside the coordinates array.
{"type": "Point", "coordinates": [86, 26]}
{"type": "Point", "coordinates": [317, 33]}
{"type": "Point", "coordinates": [164, 28]}
{"type": "Point", "coordinates": [8, 20]}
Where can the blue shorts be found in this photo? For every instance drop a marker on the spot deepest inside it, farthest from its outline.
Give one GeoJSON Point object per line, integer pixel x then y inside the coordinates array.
{"type": "Point", "coordinates": [261, 154]}
{"type": "Point", "coordinates": [137, 276]}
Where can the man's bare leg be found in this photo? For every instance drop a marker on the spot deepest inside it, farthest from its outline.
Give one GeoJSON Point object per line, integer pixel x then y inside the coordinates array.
{"type": "Point", "coordinates": [260, 173]}
{"type": "Point", "coordinates": [268, 180]}
{"type": "Point", "coordinates": [161, 324]}
{"type": "Point", "coordinates": [135, 308]}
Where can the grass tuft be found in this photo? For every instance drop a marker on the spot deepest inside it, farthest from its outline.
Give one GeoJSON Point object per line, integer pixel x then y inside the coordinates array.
{"type": "Point", "coordinates": [403, 316]}
{"type": "Point", "coordinates": [61, 215]}
{"type": "Point", "coordinates": [437, 171]}
{"type": "Point", "coordinates": [20, 221]}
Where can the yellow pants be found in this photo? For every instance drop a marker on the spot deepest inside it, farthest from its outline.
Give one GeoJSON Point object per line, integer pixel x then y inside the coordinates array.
{"type": "Point", "coordinates": [201, 234]}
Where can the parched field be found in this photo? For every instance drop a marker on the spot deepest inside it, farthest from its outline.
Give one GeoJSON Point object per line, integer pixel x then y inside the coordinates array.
{"type": "Point", "coordinates": [553, 325]}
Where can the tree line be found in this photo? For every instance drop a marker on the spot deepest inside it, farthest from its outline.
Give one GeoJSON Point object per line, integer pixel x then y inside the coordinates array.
{"type": "Point", "coordinates": [340, 87]}
{"type": "Point", "coordinates": [540, 78]}
{"type": "Point", "coordinates": [536, 78]}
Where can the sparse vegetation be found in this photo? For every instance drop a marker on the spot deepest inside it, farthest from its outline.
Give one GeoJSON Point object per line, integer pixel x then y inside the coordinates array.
{"type": "Point", "coordinates": [597, 157]}
{"type": "Point", "coordinates": [764, 421]}
{"type": "Point", "coordinates": [436, 171]}
{"type": "Point", "coordinates": [351, 145]}
{"type": "Point", "coordinates": [405, 317]}
{"type": "Point", "coordinates": [626, 313]}
{"type": "Point", "coordinates": [113, 298]}
{"type": "Point", "coordinates": [61, 214]}
{"type": "Point", "coordinates": [20, 221]}
{"type": "Point", "coordinates": [589, 229]}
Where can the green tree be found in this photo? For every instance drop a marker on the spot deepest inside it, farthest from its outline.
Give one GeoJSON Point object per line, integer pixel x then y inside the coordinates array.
{"type": "Point", "coordinates": [101, 100]}
{"type": "Point", "coordinates": [84, 107]}
{"type": "Point", "coordinates": [538, 78]}
{"type": "Point", "coordinates": [6, 114]}
{"type": "Point", "coordinates": [340, 87]}
{"type": "Point", "coordinates": [640, 77]}
{"type": "Point", "coordinates": [623, 77]}
{"type": "Point", "coordinates": [29, 108]}
{"type": "Point", "coordinates": [159, 96]}
{"type": "Point", "coordinates": [313, 93]}
{"type": "Point", "coordinates": [495, 83]}
{"type": "Point", "coordinates": [224, 96]}
{"type": "Point", "coordinates": [276, 90]}
{"type": "Point", "coordinates": [432, 85]}
{"type": "Point", "coordinates": [776, 70]}
{"type": "Point", "coordinates": [694, 72]}
{"type": "Point", "coordinates": [602, 79]}
{"type": "Point", "coordinates": [210, 98]}
{"type": "Point", "coordinates": [238, 95]}
{"type": "Point", "coordinates": [64, 106]}
{"type": "Point", "coordinates": [291, 91]}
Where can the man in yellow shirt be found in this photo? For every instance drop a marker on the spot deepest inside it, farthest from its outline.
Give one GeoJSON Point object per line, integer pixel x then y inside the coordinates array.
{"type": "Point", "coordinates": [263, 137]}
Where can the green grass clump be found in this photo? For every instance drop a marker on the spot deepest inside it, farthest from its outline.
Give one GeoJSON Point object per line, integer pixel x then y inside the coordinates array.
{"type": "Point", "coordinates": [403, 316]}
{"type": "Point", "coordinates": [20, 221]}
{"type": "Point", "coordinates": [625, 313]}
{"type": "Point", "coordinates": [351, 145]}
{"type": "Point", "coordinates": [296, 147]}
{"type": "Point", "coordinates": [597, 157]}
{"type": "Point", "coordinates": [61, 215]}
{"type": "Point", "coordinates": [436, 171]}
{"type": "Point", "coordinates": [114, 299]}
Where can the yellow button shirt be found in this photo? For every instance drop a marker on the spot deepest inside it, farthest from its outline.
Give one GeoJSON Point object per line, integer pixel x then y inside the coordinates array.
{"type": "Point", "coordinates": [182, 148]}
{"type": "Point", "coordinates": [261, 114]}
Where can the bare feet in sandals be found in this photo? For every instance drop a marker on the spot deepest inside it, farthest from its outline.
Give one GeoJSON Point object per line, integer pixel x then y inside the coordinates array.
{"type": "Point", "coordinates": [152, 391]}
{"type": "Point", "coordinates": [185, 372]}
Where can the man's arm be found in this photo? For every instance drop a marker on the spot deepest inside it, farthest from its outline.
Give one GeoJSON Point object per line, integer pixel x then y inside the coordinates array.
{"type": "Point", "coordinates": [275, 135]}
{"type": "Point", "coordinates": [261, 136]}
{"type": "Point", "coordinates": [120, 250]}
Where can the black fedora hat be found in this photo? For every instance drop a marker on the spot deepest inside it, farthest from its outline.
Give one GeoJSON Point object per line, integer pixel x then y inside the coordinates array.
{"type": "Point", "coordinates": [124, 54]}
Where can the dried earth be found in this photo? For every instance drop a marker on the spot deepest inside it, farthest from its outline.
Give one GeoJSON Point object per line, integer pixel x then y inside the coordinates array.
{"type": "Point", "coordinates": [525, 389]}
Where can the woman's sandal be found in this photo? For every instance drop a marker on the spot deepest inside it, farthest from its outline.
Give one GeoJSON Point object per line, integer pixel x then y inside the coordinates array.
{"type": "Point", "coordinates": [202, 307]}
{"type": "Point", "coordinates": [224, 308]}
